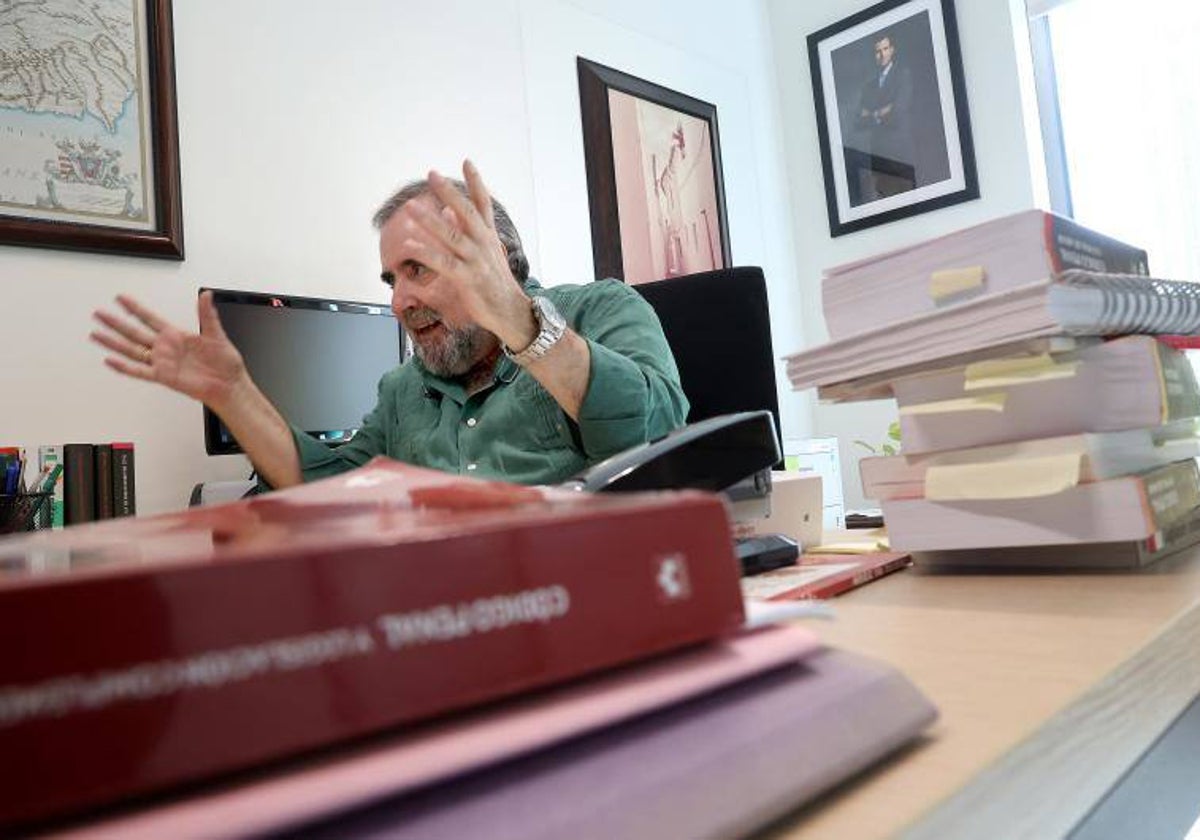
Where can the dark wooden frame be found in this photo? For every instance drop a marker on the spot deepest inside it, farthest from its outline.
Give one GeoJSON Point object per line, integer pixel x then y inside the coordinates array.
{"type": "Point", "coordinates": [595, 80]}
{"type": "Point", "coordinates": [956, 94]}
{"type": "Point", "coordinates": [165, 240]}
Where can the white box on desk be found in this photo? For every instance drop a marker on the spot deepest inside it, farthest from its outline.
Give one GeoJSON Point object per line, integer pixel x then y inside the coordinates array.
{"type": "Point", "coordinates": [820, 456]}
{"type": "Point", "coordinates": [797, 508]}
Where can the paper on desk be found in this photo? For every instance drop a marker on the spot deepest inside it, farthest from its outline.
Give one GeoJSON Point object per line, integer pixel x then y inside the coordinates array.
{"type": "Point", "coordinates": [864, 546]}
{"type": "Point", "coordinates": [1023, 478]}
{"type": "Point", "coordinates": [1019, 370]}
{"type": "Point", "coordinates": [954, 281]}
{"type": "Point", "coordinates": [982, 402]}
{"type": "Point", "coordinates": [764, 613]}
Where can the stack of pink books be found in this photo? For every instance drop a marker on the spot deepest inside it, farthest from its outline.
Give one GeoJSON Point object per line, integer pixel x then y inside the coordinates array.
{"type": "Point", "coordinates": [1040, 410]}
{"type": "Point", "coordinates": [422, 654]}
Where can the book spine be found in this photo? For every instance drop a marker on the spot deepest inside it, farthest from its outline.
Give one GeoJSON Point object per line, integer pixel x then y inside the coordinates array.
{"type": "Point", "coordinates": [1173, 492]}
{"type": "Point", "coordinates": [1071, 245]}
{"type": "Point", "coordinates": [1170, 539]}
{"type": "Point", "coordinates": [79, 483]}
{"type": "Point", "coordinates": [103, 477]}
{"type": "Point", "coordinates": [1177, 378]}
{"type": "Point", "coordinates": [50, 455]}
{"type": "Point", "coordinates": [123, 486]}
{"type": "Point", "coordinates": [277, 655]}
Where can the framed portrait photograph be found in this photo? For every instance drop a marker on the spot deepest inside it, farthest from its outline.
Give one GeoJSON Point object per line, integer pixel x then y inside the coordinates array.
{"type": "Point", "coordinates": [655, 191]}
{"type": "Point", "coordinates": [88, 130]}
{"type": "Point", "coordinates": [892, 118]}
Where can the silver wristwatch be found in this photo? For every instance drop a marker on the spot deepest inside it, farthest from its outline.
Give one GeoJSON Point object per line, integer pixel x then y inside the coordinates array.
{"type": "Point", "coordinates": [551, 326]}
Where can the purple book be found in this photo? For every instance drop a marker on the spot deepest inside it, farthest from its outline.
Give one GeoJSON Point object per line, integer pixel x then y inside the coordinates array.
{"type": "Point", "coordinates": [719, 766]}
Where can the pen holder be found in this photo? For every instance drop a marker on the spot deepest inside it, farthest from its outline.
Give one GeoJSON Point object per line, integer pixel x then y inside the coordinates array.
{"type": "Point", "coordinates": [25, 512]}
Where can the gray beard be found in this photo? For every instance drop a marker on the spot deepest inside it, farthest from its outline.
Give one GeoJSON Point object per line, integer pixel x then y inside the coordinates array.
{"type": "Point", "coordinates": [456, 354]}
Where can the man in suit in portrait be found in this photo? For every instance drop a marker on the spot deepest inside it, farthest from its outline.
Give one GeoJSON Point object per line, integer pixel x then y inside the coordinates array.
{"type": "Point", "coordinates": [885, 116]}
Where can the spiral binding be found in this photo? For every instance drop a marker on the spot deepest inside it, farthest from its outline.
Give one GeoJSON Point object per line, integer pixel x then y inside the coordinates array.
{"type": "Point", "coordinates": [1134, 303]}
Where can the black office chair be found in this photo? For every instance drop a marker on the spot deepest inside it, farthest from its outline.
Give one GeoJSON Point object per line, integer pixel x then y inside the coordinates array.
{"type": "Point", "coordinates": [718, 324]}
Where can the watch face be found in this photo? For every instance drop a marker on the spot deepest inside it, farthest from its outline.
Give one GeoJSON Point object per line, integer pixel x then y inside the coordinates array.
{"type": "Point", "coordinates": [548, 314]}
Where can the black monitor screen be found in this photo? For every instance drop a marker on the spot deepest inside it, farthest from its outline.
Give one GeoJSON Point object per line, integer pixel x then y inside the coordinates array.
{"type": "Point", "coordinates": [719, 327]}
{"type": "Point", "coordinates": [318, 361]}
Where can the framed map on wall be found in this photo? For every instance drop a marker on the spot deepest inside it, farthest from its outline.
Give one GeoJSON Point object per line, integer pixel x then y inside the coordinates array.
{"type": "Point", "coordinates": [89, 156]}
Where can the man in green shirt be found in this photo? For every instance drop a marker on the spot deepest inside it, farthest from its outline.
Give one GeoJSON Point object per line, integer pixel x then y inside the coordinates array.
{"type": "Point", "coordinates": [509, 380]}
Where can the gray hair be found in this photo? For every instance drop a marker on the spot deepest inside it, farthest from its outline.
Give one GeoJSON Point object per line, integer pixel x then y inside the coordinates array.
{"type": "Point", "coordinates": [518, 263]}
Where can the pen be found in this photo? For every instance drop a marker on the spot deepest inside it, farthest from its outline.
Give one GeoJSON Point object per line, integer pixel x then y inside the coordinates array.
{"type": "Point", "coordinates": [46, 484]}
{"type": "Point", "coordinates": [12, 474]}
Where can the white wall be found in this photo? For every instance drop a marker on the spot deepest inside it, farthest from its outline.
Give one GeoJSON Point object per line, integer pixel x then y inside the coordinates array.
{"type": "Point", "coordinates": [297, 117]}
{"type": "Point", "coordinates": [994, 42]}
{"type": "Point", "coordinates": [714, 51]}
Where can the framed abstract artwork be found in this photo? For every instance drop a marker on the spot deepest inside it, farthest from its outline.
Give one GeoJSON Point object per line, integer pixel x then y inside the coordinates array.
{"type": "Point", "coordinates": [655, 188]}
{"type": "Point", "coordinates": [892, 119]}
{"type": "Point", "coordinates": [89, 152]}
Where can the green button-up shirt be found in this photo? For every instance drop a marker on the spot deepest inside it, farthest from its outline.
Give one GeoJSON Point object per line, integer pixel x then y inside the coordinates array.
{"type": "Point", "coordinates": [513, 429]}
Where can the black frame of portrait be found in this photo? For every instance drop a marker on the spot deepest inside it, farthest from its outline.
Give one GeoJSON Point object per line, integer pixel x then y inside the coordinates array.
{"type": "Point", "coordinates": [955, 131]}
{"type": "Point", "coordinates": [165, 240]}
{"type": "Point", "coordinates": [595, 80]}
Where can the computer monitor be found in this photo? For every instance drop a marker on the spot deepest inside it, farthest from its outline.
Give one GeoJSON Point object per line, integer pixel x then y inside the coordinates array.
{"type": "Point", "coordinates": [719, 327]}
{"type": "Point", "coordinates": [318, 360]}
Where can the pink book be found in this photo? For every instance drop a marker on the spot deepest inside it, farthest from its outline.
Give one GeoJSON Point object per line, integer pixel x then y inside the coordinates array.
{"type": "Point", "coordinates": [389, 766]}
{"type": "Point", "coordinates": [1127, 383]}
{"type": "Point", "coordinates": [1074, 303]}
{"type": "Point", "coordinates": [984, 469]}
{"type": "Point", "coordinates": [1128, 554]}
{"type": "Point", "coordinates": [1122, 509]}
{"type": "Point", "coordinates": [1004, 253]}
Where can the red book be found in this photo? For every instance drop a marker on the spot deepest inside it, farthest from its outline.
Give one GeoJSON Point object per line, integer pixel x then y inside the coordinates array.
{"type": "Point", "coordinates": [821, 576]}
{"type": "Point", "coordinates": [159, 650]}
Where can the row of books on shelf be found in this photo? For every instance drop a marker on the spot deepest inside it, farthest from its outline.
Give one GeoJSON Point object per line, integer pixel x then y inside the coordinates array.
{"type": "Point", "coordinates": [97, 481]}
{"type": "Point", "coordinates": [1044, 400]}
{"type": "Point", "coordinates": [412, 653]}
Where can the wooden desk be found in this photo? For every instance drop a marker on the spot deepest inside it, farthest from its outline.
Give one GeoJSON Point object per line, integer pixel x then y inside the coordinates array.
{"type": "Point", "coordinates": [1049, 687]}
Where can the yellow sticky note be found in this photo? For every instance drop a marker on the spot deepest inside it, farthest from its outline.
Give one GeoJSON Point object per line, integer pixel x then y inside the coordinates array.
{"type": "Point", "coordinates": [850, 547]}
{"type": "Point", "coordinates": [954, 281]}
{"type": "Point", "coordinates": [981, 402]}
{"type": "Point", "coordinates": [1017, 370]}
{"type": "Point", "coordinates": [1023, 478]}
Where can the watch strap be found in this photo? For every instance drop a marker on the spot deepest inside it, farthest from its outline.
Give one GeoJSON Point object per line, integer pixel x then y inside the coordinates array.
{"type": "Point", "coordinates": [551, 327]}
